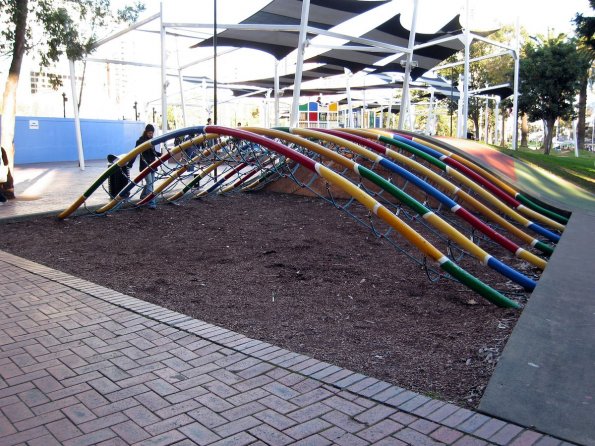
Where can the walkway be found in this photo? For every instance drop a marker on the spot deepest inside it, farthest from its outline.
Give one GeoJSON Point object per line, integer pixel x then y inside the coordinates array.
{"type": "Point", "coordinates": [81, 364]}
{"type": "Point", "coordinates": [44, 188]}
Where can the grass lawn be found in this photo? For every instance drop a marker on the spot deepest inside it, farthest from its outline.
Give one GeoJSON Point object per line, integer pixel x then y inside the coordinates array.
{"type": "Point", "coordinates": [580, 171]}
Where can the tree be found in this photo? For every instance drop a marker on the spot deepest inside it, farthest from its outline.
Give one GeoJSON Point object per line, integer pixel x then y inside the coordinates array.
{"type": "Point", "coordinates": [550, 79]}
{"type": "Point", "coordinates": [53, 29]}
{"type": "Point", "coordinates": [585, 31]}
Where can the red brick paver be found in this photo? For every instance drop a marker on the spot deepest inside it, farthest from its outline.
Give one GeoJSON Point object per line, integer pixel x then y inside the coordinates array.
{"type": "Point", "coordinates": [81, 364]}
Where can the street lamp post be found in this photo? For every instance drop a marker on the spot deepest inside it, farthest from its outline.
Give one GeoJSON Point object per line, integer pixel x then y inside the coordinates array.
{"type": "Point", "coordinates": [135, 107]}
{"type": "Point", "coordinates": [64, 101]}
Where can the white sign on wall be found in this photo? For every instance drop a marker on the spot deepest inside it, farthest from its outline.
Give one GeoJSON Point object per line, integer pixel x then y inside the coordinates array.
{"type": "Point", "coordinates": [33, 124]}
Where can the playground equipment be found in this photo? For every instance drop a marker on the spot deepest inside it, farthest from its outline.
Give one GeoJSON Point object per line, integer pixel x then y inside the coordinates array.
{"type": "Point", "coordinates": [412, 192]}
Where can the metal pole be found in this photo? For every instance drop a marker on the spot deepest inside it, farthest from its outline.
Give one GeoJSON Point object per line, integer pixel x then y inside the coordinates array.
{"type": "Point", "coordinates": [267, 120]}
{"type": "Point", "coordinates": [496, 119]}
{"type": "Point", "coordinates": [180, 79]}
{"type": "Point", "coordinates": [460, 102]}
{"type": "Point", "coordinates": [390, 109]}
{"type": "Point", "coordinates": [204, 99]}
{"type": "Point", "coordinates": [215, 62]}
{"type": "Point", "coordinates": [430, 113]}
{"type": "Point", "coordinates": [405, 97]}
{"type": "Point", "coordinates": [466, 74]}
{"type": "Point", "coordinates": [486, 117]}
{"type": "Point", "coordinates": [349, 106]}
{"type": "Point", "coordinates": [276, 93]}
{"type": "Point", "coordinates": [297, 82]}
{"type": "Point", "coordinates": [77, 121]}
{"type": "Point", "coordinates": [163, 74]}
{"type": "Point", "coordinates": [515, 100]}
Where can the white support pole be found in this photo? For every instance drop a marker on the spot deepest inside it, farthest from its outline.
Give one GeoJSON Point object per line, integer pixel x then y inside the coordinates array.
{"type": "Point", "coordinates": [181, 81]}
{"type": "Point", "coordinates": [180, 78]}
{"type": "Point", "coordinates": [204, 99]}
{"type": "Point", "coordinates": [466, 73]}
{"type": "Point", "coordinates": [163, 73]}
{"type": "Point", "coordinates": [515, 99]}
{"type": "Point", "coordinates": [276, 93]}
{"type": "Point", "coordinates": [405, 97]}
{"type": "Point", "coordinates": [460, 103]}
{"type": "Point", "coordinates": [267, 119]}
{"type": "Point", "coordinates": [486, 119]}
{"type": "Point", "coordinates": [77, 121]}
{"type": "Point", "coordinates": [430, 112]}
{"type": "Point", "coordinates": [496, 119]}
{"type": "Point", "coordinates": [365, 123]}
{"type": "Point", "coordinates": [390, 110]}
{"type": "Point", "coordinates": [297, 83]}
{"type": "Point", "coordinates": [349, 122]}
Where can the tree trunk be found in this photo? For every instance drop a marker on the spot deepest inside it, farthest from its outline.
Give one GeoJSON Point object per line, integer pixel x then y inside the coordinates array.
{"type": "Point", "coordinates": [524, 130]}
{"type": "Point", "coordinates": [549, 137]}
{"type": "Point", "coordinates": [503, 135]}
{"type": "Point", "coordinates": [582, 112]}
{"type": "Point", "coordinates": [10, 99]}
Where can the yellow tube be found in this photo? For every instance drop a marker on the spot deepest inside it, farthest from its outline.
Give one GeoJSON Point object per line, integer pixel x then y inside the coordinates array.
{"type": "Point", "coordinates": [383, 213]}
{"type": "Point", "coordinates": [498, 182]}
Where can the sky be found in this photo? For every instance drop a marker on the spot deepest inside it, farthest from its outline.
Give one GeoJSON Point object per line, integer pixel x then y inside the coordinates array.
{"type": "Point", "coordinates": [535, 15]}
{"type": "Point", "coordinates": [432, 14]}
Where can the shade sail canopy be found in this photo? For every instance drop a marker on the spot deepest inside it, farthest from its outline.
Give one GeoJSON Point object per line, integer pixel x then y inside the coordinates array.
{"type": "Point", "coordinates": [392, 31]}
{"type": "Point", "coordinates": [324, 14]}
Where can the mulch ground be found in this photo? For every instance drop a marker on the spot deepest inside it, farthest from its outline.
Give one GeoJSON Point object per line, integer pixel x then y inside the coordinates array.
{"type": "Point", "coordinates": [292, 271]}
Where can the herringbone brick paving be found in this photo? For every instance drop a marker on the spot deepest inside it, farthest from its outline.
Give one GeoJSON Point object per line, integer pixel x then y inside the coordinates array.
{"type": "Point", "coordinates": [81, 364]}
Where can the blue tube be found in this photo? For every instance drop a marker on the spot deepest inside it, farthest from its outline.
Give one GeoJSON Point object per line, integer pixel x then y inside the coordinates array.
{"type": "Point", "coordinates": [419, 146]}
{"type": "Point", "coordinates": [512, 274]}
{"type": "Point", "coordinates": [545, 232]}
{"type": "Point", "coordinates": [175, 133]}
{"type": "Point", "coordinates": [428, 188]}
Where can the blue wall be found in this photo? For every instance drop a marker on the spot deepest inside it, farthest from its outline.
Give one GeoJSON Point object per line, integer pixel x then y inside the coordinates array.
{"type": "Point", "coordinates": [55, 139]}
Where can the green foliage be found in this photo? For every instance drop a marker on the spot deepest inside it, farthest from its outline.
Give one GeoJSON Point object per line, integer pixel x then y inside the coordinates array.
{"type": "Point", "coordinates": [57, 28]}
{"type": "Point", "coordinates": [585, 31]}
{"type": "Point", "coordinates": [550, 79]}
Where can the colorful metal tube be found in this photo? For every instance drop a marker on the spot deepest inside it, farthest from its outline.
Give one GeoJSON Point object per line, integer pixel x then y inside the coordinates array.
{"type": "Point", "coordinates": [399, 194]}
{"type": "Point", "coordinates": [486, 195]}
{"type": "Point", "coordinates": [444, 148]}
{"type": "Point", "coordinates": [150, 168]}
{"type": "Point", "coordinates": [225, 177]}
{"type": "Point", "coordinates": [378, 209]}
{"type": "Point", "coordinates": [450, 204]}
{"type": "Point", "coordinates": [449, 159]}
{"type": "Point", "coordinates": [178, 173]}
{"type": "Point", "coordinates": [123, 162]}
{"type": "Point", "coordinates": [448, 186]}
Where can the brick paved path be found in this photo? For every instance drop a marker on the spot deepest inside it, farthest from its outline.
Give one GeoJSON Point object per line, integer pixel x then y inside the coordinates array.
{"type": "Point", "coordinates": [81, 364]}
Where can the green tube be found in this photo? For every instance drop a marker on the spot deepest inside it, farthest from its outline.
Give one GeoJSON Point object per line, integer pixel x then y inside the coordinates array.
{"type": "Point", "coordinates": [477, 285]}
{"type": "Point", "coordinates": [104, 176]}
{"type": "Point", "coordinates": [393, 190]}
{"type": "Point", "coordinates": [531, 205]}
{"type": "Point", "coordinates": [429, 158]}
{"type": "Point", "coordinates": [545, 248]}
